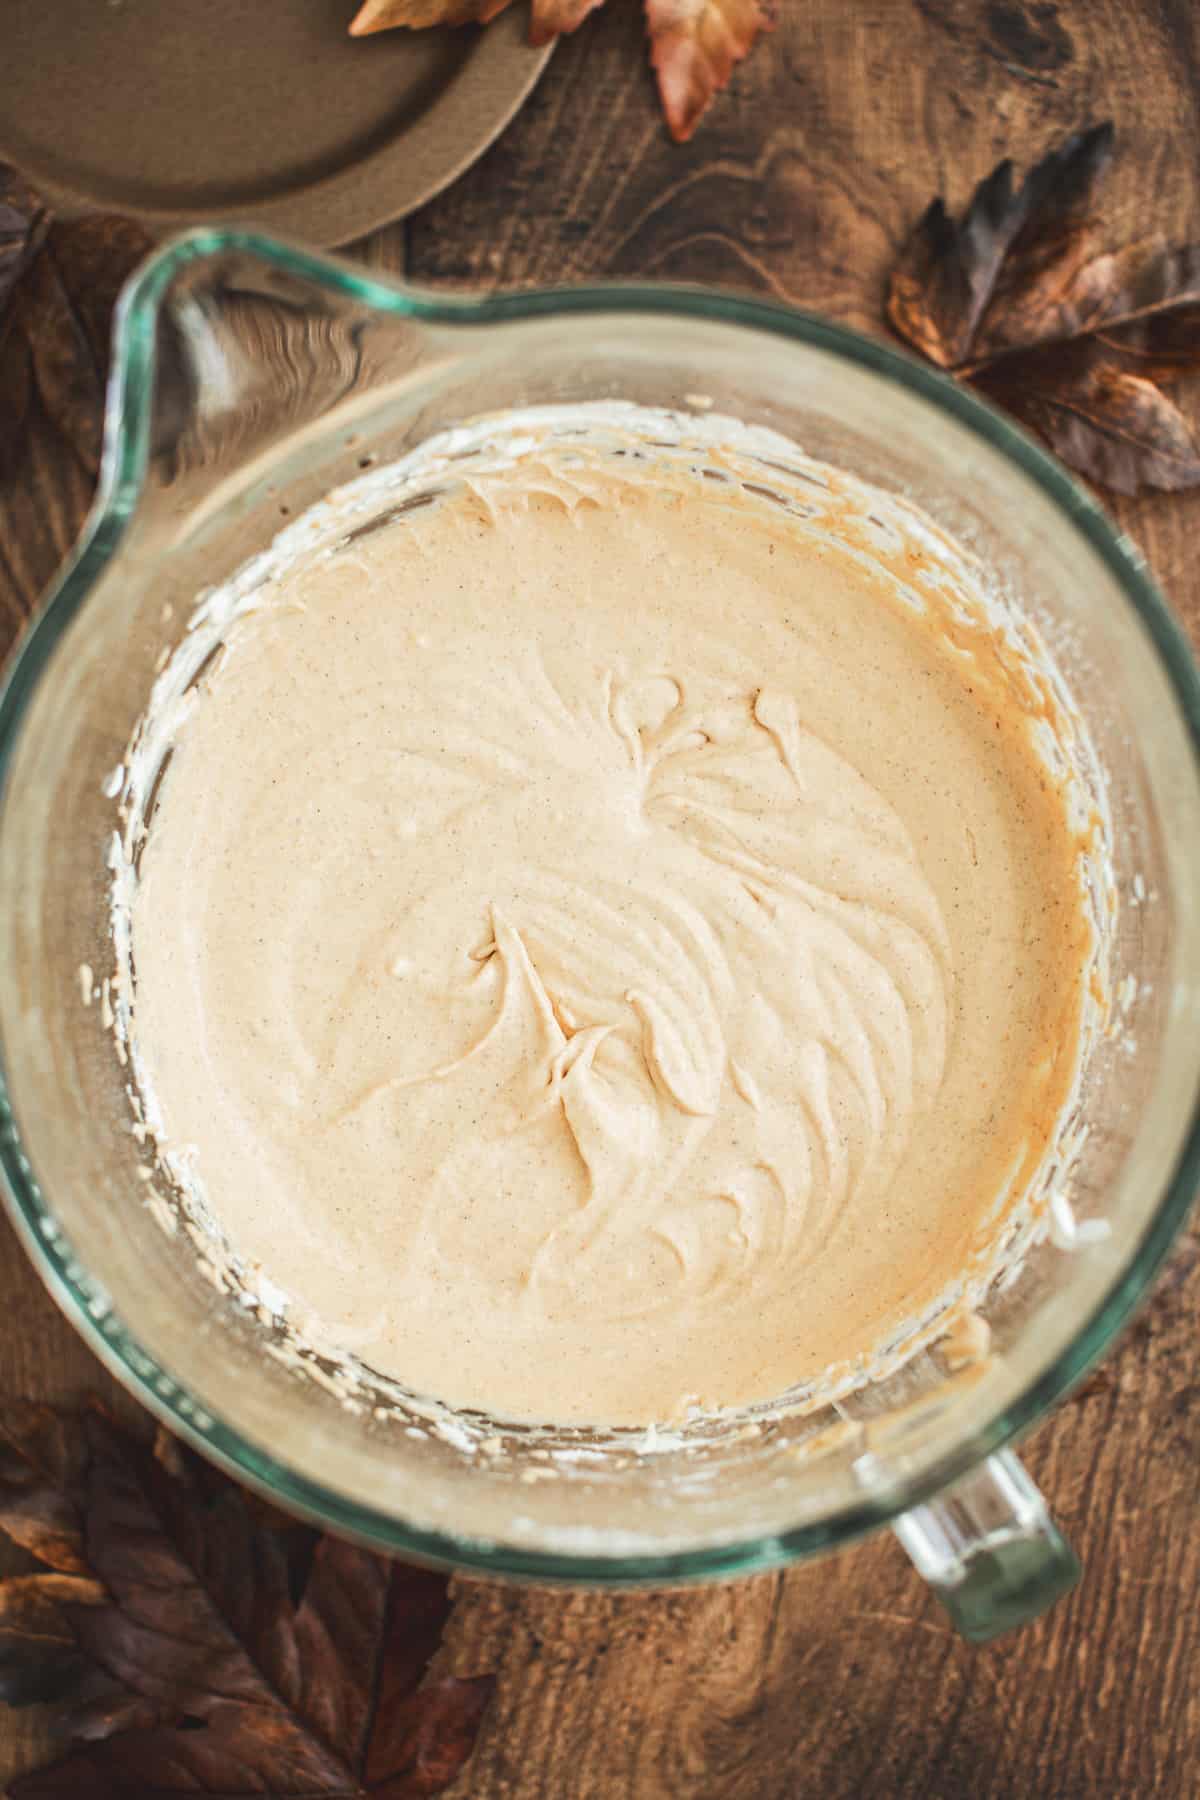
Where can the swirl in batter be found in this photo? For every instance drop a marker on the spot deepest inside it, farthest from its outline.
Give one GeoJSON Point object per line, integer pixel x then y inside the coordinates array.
{"type": "Point", "coordinates": [602, 950]}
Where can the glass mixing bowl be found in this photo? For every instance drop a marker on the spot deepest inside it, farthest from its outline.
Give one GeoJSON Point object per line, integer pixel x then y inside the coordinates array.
{"type": "Point", "coordinates": [250, 378]}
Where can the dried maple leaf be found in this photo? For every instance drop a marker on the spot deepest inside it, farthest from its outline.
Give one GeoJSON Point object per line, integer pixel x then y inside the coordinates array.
{"type": "Point", "coordinates": [1109, 422]}
{"type": "Point", "coordinates": [23, 223]}
{"type": "Point", "coordinates": [1078, 343]}
{"type": "Point", "coordinates": [694, 47]}
{"type": "Point", "coordinates": [419, 15]}
{"type": "Point", "coordinates": [39, 1657]}
{"type": "Point", "coordinates": [43, 1463]}
{"type": "Point", "coordinates": [59, 280]}
{"type": "Point", "coordinates": [210, 1646]}
{"type": "Point", "coordinates": [556, 18]}
{"type": "Point", "coordinates": [948, 273]}
{"type": "Point", "coordinates": [694, 44]}
{"type": "Point", "coordinates": [547, 18]}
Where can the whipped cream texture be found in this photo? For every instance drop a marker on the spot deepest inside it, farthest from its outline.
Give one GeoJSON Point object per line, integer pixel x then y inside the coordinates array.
{"type": "Point", "coordinates": [604, 948]}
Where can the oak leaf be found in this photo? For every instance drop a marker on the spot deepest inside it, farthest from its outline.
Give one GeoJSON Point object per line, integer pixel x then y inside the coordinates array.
{"type": "Point", "coordinates": [1077, 342]}
{"type": "Point", "coordinates": [202, 1643]}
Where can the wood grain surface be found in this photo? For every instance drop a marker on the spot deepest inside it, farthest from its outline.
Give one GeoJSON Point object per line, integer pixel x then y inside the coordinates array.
{"type": "Point", "coordinates": [840, 1678]}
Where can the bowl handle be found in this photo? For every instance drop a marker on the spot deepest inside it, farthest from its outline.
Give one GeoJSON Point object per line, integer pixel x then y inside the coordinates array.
{"type": "Point", "coordinates": [989, 1549]}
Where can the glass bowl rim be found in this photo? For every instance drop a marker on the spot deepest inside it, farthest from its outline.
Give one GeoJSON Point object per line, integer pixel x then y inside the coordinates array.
{"type": "Point", "coordinates": [126, 439]}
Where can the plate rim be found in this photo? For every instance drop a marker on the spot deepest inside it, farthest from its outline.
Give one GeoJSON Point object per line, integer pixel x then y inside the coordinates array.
{"type": "Point", "coordinates": [323, 211]}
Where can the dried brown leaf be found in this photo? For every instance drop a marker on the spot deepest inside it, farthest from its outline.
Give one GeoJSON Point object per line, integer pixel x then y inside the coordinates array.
{"type": "Point", "coordinates": [1076, 341]}
{"type": "Point", "coordinates": [201, 1607]}
{"type": "Point", "coordinates": [43, 1466]}
{"type": "Point", "coordinates": [340, 1632]}
{"type": "Point", "coordinates": [23, 221]}
{"type": "Point", "coordinates": [694, 47]}
{"type": "Point", "coordinates": [39, 1657]}
{"type": "Point", "coordinates": [227, 1761]}
{"type": "Point", "coordinates": [948, 273]}
{"type": "Point", "coordinates": [59, 280]}
{"type": "Point", "coordinates": [17, 387]}
{"type": "Point", "coordinates": [1148, 284]}
{"type": "Point", "coordinates": [1114, 426]}
{"type": "Point", "coordinates": [430, 1737]}
{"type": "Point", "coordinates": [420, 1607]}
{"type": "Point", "coordinates": [694, 44]}
{"type": "Point", "coordinates": [211, 1647]}
{"type": "Point", "coordinates": [419, 15]}
{"type": "Point", "coordinates": [555, 18]}
{"type": "Point", "coordinates": [67, 296]}
{"type": "Point", "coordinates": [1162, 346]}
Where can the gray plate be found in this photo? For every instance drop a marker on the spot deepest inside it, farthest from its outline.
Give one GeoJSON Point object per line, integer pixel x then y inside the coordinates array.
{"type": "Point", "coordinates": [182, 111]}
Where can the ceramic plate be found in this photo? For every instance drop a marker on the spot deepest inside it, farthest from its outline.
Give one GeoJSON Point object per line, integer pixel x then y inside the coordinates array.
{"type": "Point", "coordinates": [203, 110]}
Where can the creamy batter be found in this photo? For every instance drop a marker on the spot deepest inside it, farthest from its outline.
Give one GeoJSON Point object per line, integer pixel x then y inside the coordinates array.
{"type": "Point", "coordinates": [602, 949]}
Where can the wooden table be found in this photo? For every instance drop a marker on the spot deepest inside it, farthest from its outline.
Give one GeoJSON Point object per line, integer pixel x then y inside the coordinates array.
{"type": "Point", "coordinates": [841, 1678]}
